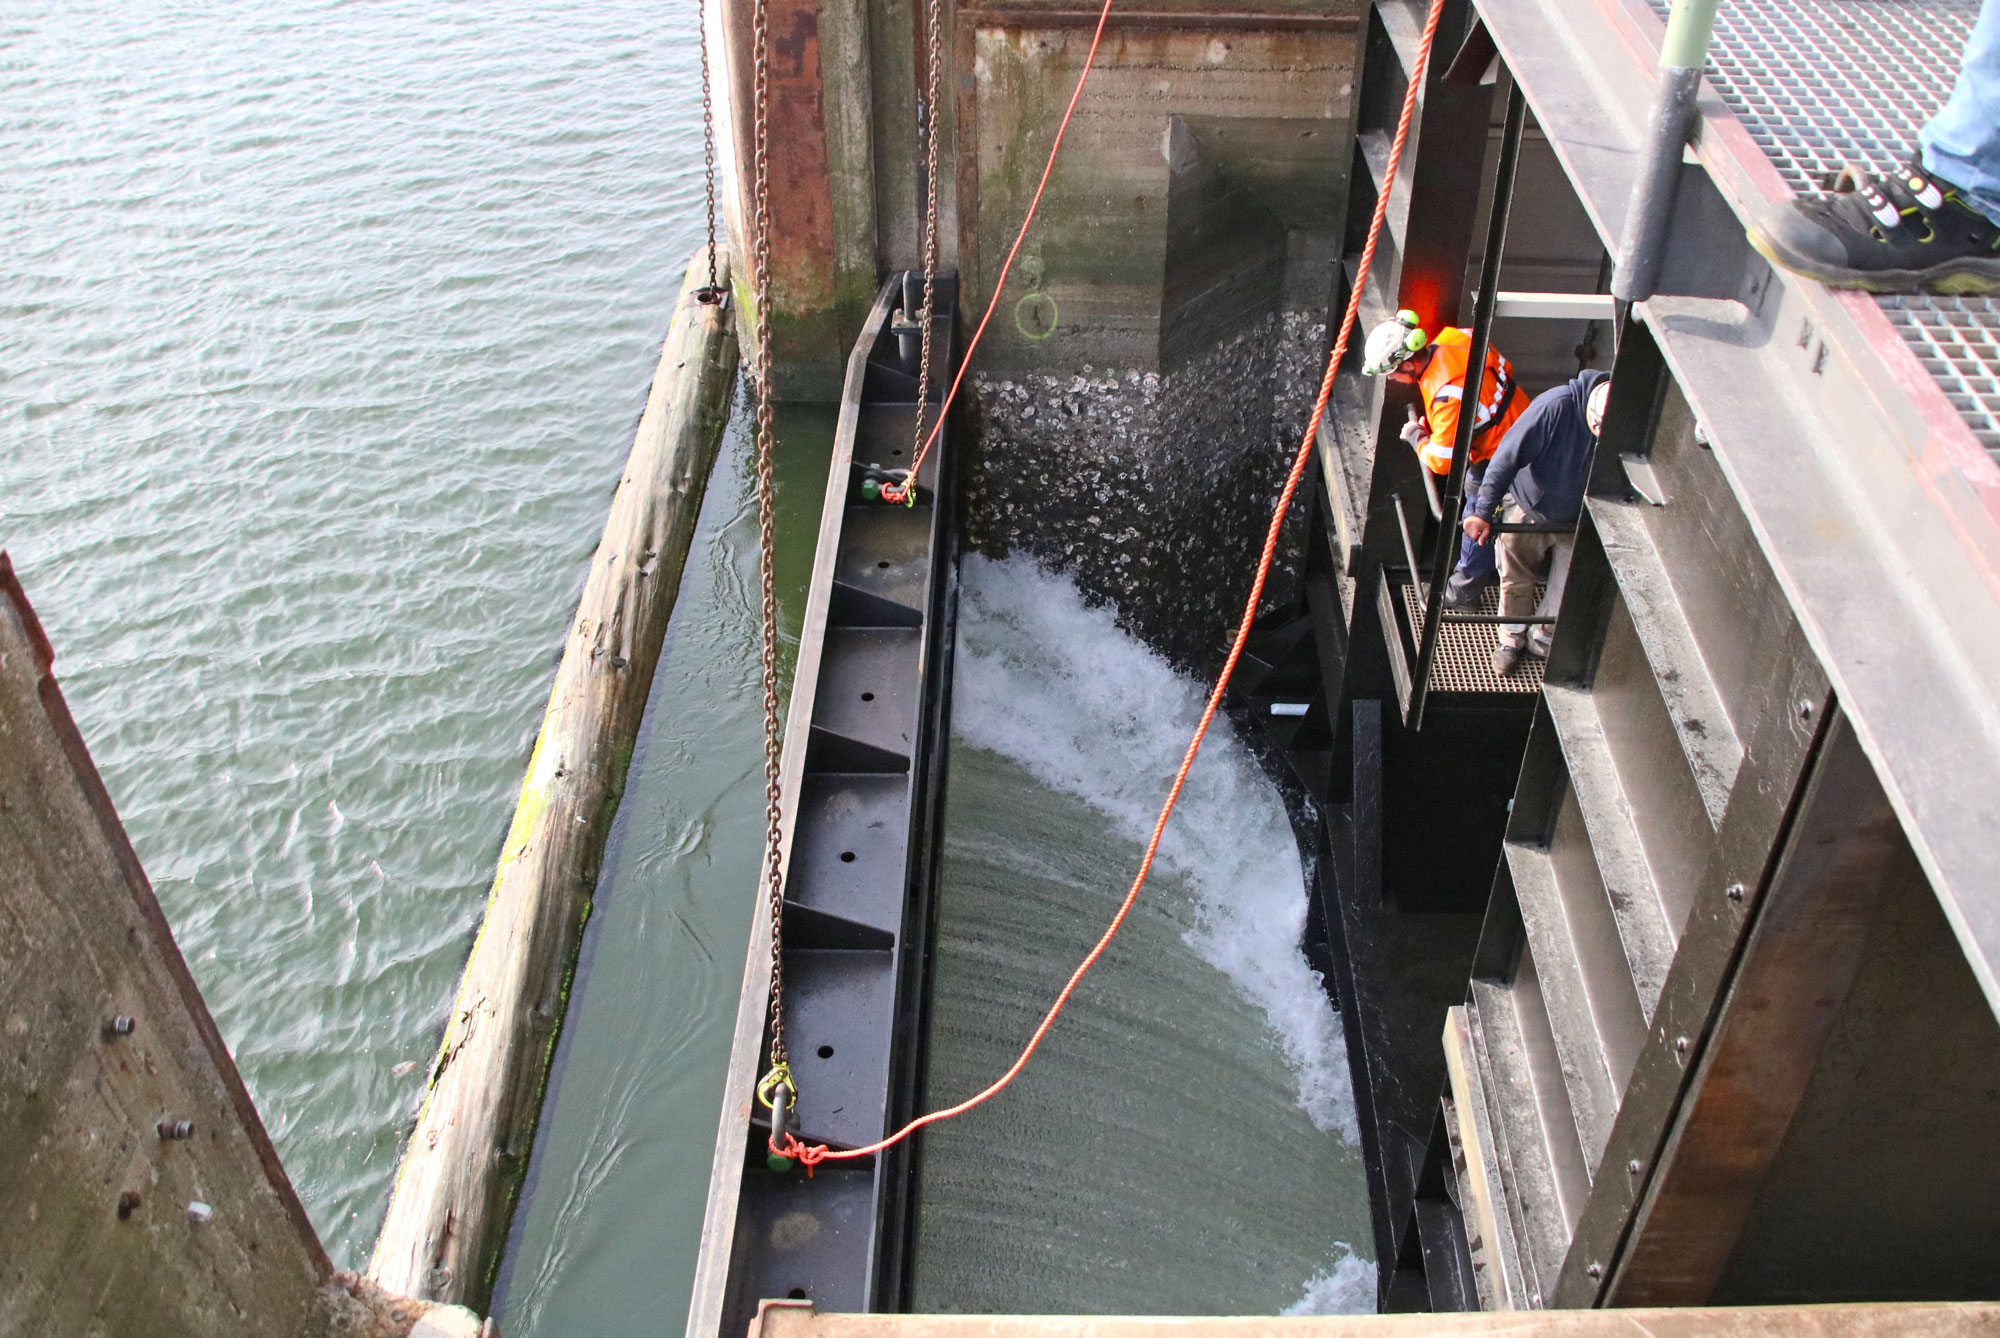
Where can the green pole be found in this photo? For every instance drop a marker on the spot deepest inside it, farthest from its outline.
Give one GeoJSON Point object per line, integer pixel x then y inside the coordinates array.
{"type": "Point", "coordinates": [1688, 30]}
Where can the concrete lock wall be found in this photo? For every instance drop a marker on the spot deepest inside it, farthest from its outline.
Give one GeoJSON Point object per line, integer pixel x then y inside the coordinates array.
{"type": "Point", "coordinates": [1153, 359]}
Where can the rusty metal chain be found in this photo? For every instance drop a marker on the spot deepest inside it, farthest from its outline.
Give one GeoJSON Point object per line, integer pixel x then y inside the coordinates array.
{"type": "Point", "coordinates": [933, 19]}
{"type": "Point", "coordinates": [707, 140]}
{"type": "Point", "coordinates": [774, 876]}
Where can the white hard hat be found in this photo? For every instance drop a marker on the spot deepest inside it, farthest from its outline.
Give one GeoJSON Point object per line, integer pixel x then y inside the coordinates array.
{"type": "Point", "coordinates": [1391, 342]}
{"type": "Point", "coordinates": [1593, 407]}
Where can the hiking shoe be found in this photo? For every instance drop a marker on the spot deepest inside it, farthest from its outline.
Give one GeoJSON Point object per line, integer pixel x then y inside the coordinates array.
{"type": "Point", "coordinates": [1905, 234]}
{"type": "Point", "coordinates": [1505, 658]}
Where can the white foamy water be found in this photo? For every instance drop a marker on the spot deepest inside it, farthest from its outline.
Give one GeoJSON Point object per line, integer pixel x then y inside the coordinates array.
{"type": "Point", "coordinates": [1347, 1287]}
{"type": "Point", "coordinates": [1046, 680]}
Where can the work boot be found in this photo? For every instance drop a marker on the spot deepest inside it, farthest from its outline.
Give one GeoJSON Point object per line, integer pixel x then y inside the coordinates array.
{"type": "Point", "coordinates": [1462, 595]}
{"type": "Point", "coordinates": [1505, 656]}
{"type": "Point", "coordinates": [1899, 234]}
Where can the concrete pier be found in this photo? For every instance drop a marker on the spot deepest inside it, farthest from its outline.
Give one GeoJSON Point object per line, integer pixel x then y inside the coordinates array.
{"type": "Point", "coordinates": [139, 1192]}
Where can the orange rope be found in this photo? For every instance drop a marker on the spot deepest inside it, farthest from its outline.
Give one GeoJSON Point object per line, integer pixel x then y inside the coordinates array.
{"type": "Point", "coordinates": [813, 1154]}
{"type": "Point", "coordinates": [900, 494]}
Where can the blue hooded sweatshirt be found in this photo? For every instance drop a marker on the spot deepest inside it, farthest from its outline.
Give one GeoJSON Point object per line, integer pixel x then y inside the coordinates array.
{"type": "Point", "coordinates": [1544, 460]}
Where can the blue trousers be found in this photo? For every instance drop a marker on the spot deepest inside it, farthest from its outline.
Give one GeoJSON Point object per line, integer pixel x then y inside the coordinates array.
{"type": "Point", "coordinates": [1962, 142]}
{"type": "Point", "coordinates": [1475, 561]}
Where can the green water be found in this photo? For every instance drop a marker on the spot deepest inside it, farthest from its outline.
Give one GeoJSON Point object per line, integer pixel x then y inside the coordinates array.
{"type": "Point", "coordinates": [323, 330]}
{"type": "Point", "coordinates": [606, 1242]}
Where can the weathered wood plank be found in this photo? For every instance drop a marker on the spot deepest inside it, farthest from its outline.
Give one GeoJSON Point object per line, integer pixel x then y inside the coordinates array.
{"type": "Point", "coordinates": [463, 1166]}
{"type": "Point", "coordinates": [797, 1319]}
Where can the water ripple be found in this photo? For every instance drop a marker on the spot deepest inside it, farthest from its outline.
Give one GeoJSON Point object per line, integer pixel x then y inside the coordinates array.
{"type": "Point", "coordinates": [321, 338]}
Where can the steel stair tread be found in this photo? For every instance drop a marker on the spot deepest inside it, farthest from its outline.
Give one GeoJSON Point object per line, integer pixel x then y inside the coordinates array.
{"type": "Point", "coordinates": [1593, 1094]}
{"type": "Point", "coordinates": [1489, 1225]}
{"type": "Point", "coordinates": [1707, 735]}
{"type": "Point", "coordinates": [1534, 1201]}
{"type": "Point", "coordinates": [1643, 929]}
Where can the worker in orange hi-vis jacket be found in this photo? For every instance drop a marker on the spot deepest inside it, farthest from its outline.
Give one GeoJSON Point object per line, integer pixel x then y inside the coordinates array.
{"type": "Point", "coordinates": [1400, 350]}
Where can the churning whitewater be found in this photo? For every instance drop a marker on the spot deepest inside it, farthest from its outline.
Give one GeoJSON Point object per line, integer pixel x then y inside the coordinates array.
{"type": "Point", "coordinates": [1052, 683]}
{"type": "Point", "coordinates": [1185, 1140]}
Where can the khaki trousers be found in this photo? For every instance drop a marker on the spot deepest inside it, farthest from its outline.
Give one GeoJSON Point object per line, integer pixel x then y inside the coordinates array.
{"type": "Point", "coordinates": [1522, 559]}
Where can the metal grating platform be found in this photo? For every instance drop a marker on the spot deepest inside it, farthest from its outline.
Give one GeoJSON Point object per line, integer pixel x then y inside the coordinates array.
{"type": "Point", "coordinates": [1958, 341]}
{"type": "Point", "coordinates": [1820, 83]}
{"type": "Point", "coordinates": [1464, 660]}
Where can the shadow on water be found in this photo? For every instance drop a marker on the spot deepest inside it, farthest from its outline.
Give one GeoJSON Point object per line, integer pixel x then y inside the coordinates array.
{"type": "Point", "coordinates": [604, 1241]}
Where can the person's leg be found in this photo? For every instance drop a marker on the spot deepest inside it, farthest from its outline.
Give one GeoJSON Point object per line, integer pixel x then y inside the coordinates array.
{"type": "Point", "coordinates": [1475, 561]}
{"type": "Point", "coordinates": [1560, 553]}
{"type": "Point", "coordinates": [1932, 226]}
{"type": "Point", "coordinates": [1519, 557]}
{"type": "Point", "coordinates": [1962, 142]}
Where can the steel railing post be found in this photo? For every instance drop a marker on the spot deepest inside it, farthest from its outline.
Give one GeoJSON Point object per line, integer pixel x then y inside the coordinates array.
{"type": "Point", "coordinates": [1443, 554]}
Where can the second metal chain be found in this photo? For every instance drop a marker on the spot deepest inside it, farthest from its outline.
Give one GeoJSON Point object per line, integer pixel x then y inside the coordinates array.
{"type": "Point", "coordinates": [934, 22]}
{"type": "Point", "coordinates": [707, 140]}
{"type": "Point", "coordinates": [774, 876]}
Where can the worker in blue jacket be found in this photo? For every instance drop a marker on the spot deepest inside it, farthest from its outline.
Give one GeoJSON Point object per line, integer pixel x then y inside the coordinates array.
{"type": "Point", "coordinates": [1544, 463]}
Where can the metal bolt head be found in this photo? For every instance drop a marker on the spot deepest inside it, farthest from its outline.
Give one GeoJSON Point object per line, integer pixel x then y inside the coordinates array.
{"type": "Point", "coordinates": [1635, 1166]}
{"type": "Point", "coordinates": [199, 1212]}
{"type": "Point", "coordinates": [173, 1131]}
{"type": "Point", "coordinates": [1805, 710]}
{"type": "Point", "coordinates": [1595, 1270]}
{"type": "Point", "coordinates": [1681, 1045]}
{"type": "Point", "coordinates": [118, 1026]}
{"type": "Point", "coordinates": [1734, 892]}
{"type": "Point", "coordinates": [128, 1203]}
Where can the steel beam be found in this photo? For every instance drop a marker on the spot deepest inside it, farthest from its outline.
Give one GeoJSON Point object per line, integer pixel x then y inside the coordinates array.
{"type": "Point", "coordinates": [1874, 502]}
{"type": "Point", "coordinates": [1804, 946]}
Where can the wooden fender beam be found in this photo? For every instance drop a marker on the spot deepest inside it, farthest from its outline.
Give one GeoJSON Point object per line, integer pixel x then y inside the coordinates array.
{"type": "Point", "coordinates": [464, 1163]}
{"type": "Point", "coordinates": [1912, 1319]}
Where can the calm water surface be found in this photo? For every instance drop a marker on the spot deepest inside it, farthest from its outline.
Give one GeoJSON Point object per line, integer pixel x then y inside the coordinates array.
{"type": "Point", "coordinates": [323, 328]}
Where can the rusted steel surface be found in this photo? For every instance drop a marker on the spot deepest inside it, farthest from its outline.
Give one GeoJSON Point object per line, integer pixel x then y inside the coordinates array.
{"type": "Point", "coordinates": [804, 288]}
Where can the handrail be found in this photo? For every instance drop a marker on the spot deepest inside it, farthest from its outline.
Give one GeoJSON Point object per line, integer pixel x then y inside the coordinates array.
{"type": "Point", "coordinates": [1445, 549]}
{"type": "Point", "coordinates": [1409, 546]}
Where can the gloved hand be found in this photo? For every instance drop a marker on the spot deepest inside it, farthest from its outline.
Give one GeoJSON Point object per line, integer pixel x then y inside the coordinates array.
{"type": "Point", "coordinates": [1416, 431]}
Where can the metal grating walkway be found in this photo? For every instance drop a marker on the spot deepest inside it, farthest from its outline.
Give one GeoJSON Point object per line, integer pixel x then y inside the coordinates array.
{"type": "Point", "coordinates": [1464, 660]}
{"type": "Point", "coordinates": [1819, 83]}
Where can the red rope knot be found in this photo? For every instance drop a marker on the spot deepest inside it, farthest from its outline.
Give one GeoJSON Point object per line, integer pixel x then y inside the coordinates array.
{"type": "Point", "coordinates": [807, 1155]}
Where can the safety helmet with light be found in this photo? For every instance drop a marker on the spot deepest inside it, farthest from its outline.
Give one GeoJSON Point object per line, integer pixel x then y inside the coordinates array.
{"type": "Point", "coordinates": [1593, 407]}
{"type": "Point", "coordinates": [1392, 343]}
